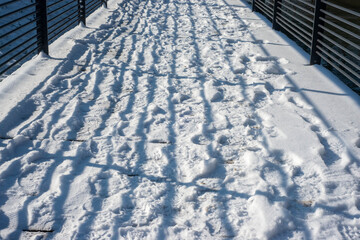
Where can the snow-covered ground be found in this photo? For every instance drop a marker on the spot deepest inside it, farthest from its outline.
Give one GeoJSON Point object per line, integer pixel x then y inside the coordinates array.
{"type": "Point", "coordinates": [178, 119]}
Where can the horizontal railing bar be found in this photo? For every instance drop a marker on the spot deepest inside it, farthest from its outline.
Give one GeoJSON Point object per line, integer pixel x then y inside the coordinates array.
{"type": "Point", "coordinates": [93, 3]}
{"type": "Point", "coordinates": [296, 12]}
{"type": "Point", "coordinates": [269, 4]}
{"type": "Point", "coordinates": [18, 19]}
{"type": "Point", "coordinates": [19, 60]}
{"type": "Point", "coordinates": [309, 26]}
{"type": "Point", "coordinates": [341, 19]}
{"type": "Point", "coordinates": [341, 28]}
{"type": "Point", "coordinates": [299, 29]}
{"type": "Point", "coordinates": [339, 62]}
{"type": "Point", "coordinates": [297, 6]}
{"type": "Point", "coordinates": [9, 2]}
{"type": "Point", "coordinates": [307, 44]}
{"type": "Point", "coordinates": [341, 8]}
{"type": "Point", "coordinates": [340, 37]}
{"type": "Point", "coordinates": [19, 53]}
{"type": "Point", "coordinates": [339, 46]}
{"type": "Point", "coordinates": [342, 56]}
{"type": "Point", "coordinates": [307, 3]}
{"type": "Point", "coordinates": [61, 14]}
{"type": "Point", "coordinates": [18, 37]}
{"type": "Point", "coordinates": [339, 69]}
{"type": "Point", "coordinates": [91, 11]}
{"type": "Point", "coordinates": [61, 7]}
{"type": "Point", "coordinates": [18, 10]}
{"type": "Point", "coordinates": [265, 6]}
{"type": "Point", "coordinates": [295, 28]}
{"type": "Point", "coordinates": [17, 29]}
{"type": "Point", "coordinates": [19, 45]}
{"type": "Point", "coordinates": [89, 2]}
{"type": "Point", "coordinates": [61, 31]}
{"type": "Point", "coordinates": [264, 10]}
{"type": "Point", "coordinates": [71, 17]}
{"type": "Point", "coordinates": [54, 3]}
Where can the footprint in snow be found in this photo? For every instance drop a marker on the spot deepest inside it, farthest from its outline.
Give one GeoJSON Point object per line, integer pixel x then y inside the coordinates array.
{"type": "Point", "coordinates": [265, 58]}
{"type": "Point", "coordinates": [349, 231]}
{"type": "Point", "coordinates": [299, 103]}
{"type": "Point", "coordinates": [223, 140]}
{"type": "Point", "coordinates": [124, 148]}
{"type": "Point", "coordinates": [259, 96]}
{"type": "Point", "coordinates": [200, 140]}
{"type": "Point", "coordinates": [155, 110]}
{"type": "Point", "coordinates": [122, 127]}
{"type": "Point", "coordinates": [179, 98]}
{"type": "Point", "coordinates": [357, 143]}
{"type": "Point", "coordinates": [357, 203]}
{"type": "Point", "coordinates": [239, 69]}
{"type": "Point", "coordinates": [249, 122]}
{"type": "Point", "coordinates": [307, 186]}
{"type": "Point", "coordinates": [229, 50]}
{"type": "Point", "coordinates": [269, 87]}
{"type": "Point", "coordinates": [330, 187]}
{"type": "Point", "coordinates": [217, 97]}
{"type": "Point", "coordinates": [229, 40]}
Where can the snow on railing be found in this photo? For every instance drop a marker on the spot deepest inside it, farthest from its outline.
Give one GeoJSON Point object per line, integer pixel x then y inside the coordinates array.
{"type": "Point", "coordinates": [328, 31]}
{"type": "Point", "coordinates": [28, 27]}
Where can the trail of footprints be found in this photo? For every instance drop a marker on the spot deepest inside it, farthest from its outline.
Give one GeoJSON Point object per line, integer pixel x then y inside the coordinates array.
{"type": "Point", "coordinates": [241, 116]}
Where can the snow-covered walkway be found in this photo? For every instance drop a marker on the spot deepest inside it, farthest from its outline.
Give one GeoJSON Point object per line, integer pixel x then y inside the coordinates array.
{"type": "Point", "coordinates": [178, 119]}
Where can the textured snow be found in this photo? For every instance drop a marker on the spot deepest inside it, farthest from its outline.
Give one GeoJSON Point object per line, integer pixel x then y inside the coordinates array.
{"type": "Point", "coordinates": [178, 119]}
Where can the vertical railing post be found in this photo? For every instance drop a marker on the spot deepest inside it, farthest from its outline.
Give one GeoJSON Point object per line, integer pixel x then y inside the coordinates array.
{"type": "Point", "coordinates": [81, 11]}
{"type": "Point", "coordinates": [276, 11]}
{"type": "Point", "coordinates": [253, 7]}
{"type": "Point", "coordinates": [41, 26]}
{"type": "Point", "coordinates": [104, 3]}
{"type": "Point", "coordinates": [314, 57]}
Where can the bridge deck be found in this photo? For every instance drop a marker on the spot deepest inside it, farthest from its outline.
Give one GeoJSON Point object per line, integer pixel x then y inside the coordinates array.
{"type": "Point", "coordinates": [183, 119]}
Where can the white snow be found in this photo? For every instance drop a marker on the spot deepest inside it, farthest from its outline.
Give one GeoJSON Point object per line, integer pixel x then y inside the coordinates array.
{"type": "Point", "coordinates": [178, 119]}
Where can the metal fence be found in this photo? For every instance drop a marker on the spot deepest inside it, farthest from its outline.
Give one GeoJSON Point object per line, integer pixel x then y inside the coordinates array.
{"type": "Point", "coordinates": [330, 32]}
{"type": "Point", "coordinates": [27, 27]}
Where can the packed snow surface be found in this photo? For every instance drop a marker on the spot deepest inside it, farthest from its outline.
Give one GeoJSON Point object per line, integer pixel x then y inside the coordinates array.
{"type": "Point", "coordinates": [178, 119]}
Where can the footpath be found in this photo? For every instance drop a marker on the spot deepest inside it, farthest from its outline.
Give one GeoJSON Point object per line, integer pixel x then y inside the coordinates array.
{"type": "Point", "coordinates": [178, 119]}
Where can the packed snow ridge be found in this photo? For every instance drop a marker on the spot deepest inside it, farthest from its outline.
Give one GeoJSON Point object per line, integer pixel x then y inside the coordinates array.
{"type": "Point", "coordinates": [178, 119]}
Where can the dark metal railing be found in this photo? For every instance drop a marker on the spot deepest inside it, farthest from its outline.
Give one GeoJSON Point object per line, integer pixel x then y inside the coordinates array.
{"type": "Point", "coordinates": [27, 27]}
{"type": "Point", "coordinates": [328, 31]}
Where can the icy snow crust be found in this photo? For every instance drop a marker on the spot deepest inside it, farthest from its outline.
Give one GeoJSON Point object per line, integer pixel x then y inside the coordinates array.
{"type": "Point", "coordinates": [178, 119]}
